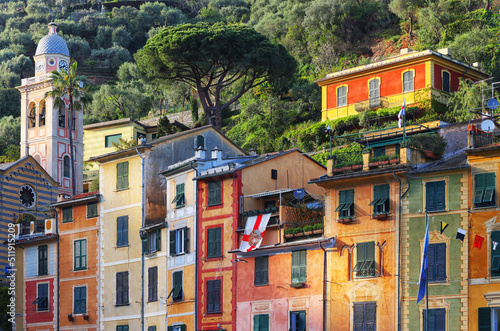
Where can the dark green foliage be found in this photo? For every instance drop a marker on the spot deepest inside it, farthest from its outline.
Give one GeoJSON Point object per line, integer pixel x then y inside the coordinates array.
{"type": "Point", "coordinates": [4, 301]}
{"type": "Point", "coordinates": [432, 142]}
{"type": "Point", "coordinates": [165, 127]}
{"type": "Point", "coordinates": [11, 102]}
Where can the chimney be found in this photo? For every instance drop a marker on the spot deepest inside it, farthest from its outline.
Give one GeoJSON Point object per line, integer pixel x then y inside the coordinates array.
{"type": "Point", "coordinates": [405, 51]}
{"type": "Point", "coordinates": [200, 153]}
{"type": "Point", "coordinates": [445, 51]}
{"type": "Point", "coordinates": [217, 153]}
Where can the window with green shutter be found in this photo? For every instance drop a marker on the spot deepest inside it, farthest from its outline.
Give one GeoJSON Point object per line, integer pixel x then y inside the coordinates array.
{"type": "Point", "coordinates": [484, 319]}
{"type": "Point", "coordinates": [365, 259]}
{"type": "Point", "coordinates": [80, 254]}
{"type": "Point", "coordinates": [346, 204]}
{"type": "Point", "coordinates": [80, 300]}
{"type": "Point", "coordinates": [298, 320]}
{"type": "Point", "coordinates": [381, 202]}
{"type": "Point", "coordinates": [299, 266]}
{"type": "Point", "coordinates": [122, 231]}
{"type": "Point", "coordinates": [180, 197]}
{"type": "Point", "coordinates": [151, 241]}
{"type": "Point", "coordinates": [122, 288]}
{"type": "Point", "coordinates": [176, 292]}
{"type": "Point", "coordinates": [122, 176]}
{"type": "Point", "coordinates": [122, 328]}
{"type": "Point", "coordinates": [436, 262]}
{"type": "Point", "coordinates": [92, 209]}
{"type": "Point", "coordinates": [181, 327]}
{"type": "Point", "coordinates": [437, 319]}
{"type": "Point", "coordinates": [43, 260]}
{"type": "Point", "coordinates": [152, 284]}
{"type": "Point", "coordinates": [214, 242]}
{"type": "Point", "coordinates": [364, 316]}
{"type": "Point", "coordinates": [261, 322]}
{"type": "Point", "coordinates": [42, 299]}
{"type": "Point", "coordinates": [261, 271]}
{"type": "Point", "coordinates": [484, 190]}
{"type": "Point", "coordinates": [152, 328]}
{"type": "Point", "coordinates": [435, 196]}
{"type": "Point", "coordinates": [179, 241]}
{"type": "Point", "coordinates": [213, 296]}
{"type": "Point", "coordinates": [495, 254]}
{"type": "Point", "coordinates": [214, 193]}
{"type": "Point", "coordinates": [67, 214]}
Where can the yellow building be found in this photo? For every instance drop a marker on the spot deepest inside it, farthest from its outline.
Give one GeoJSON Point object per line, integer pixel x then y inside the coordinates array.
{"type": "Point", "coordinates": [133, 204]}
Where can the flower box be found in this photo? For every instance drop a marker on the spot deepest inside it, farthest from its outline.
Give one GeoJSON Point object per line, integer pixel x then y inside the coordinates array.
{"type": "Point", "coordinates": [297, 285]}
{"type": "Point", "coordinates": [289, 235]}
{"type": "Point", "coordinates": [299, 234]}
{"type": "Point", "coordinates": [347, 168]}
{"type": "Point", "coordinates": [308, 233]}
{"type": "Point", "coordinates": [394, 161]}
{"type": "Point", "coordinates": [346, 220]}
{"type": "Point", "coordinates": [383, 162]}
{"type": "Point", "coordinates": [319, 231]}
{"type": "Point", "coordinates": [357, 166]}
{"type": "Point", "coordinates": [380, 216]}
{"type": "Point", "coordinates": [338, 170]}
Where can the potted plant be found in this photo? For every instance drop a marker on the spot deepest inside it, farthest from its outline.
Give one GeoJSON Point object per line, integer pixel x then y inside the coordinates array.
{"type": "Point", "coordinates": [308, 230]}
{"type": "Point", "coordinates": [298, 232]}
{"type": "Point", "coordinates": [318, 228]}
{"type": "Point", "coordinates": [394, 159]}
{"type": "Point", "coordinates": [289, 233]}
{"type": "Point", "coordinates": [384, 160]}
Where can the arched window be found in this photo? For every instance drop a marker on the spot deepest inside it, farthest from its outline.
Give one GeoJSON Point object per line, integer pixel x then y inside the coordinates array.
{"type": "Point", "coordinates": [66, 171]}
{"type": "Point", "coordinates": [62, 116]}
{"type": "Point", "coordinates": [32, 115]}
{"type": "Point", "coordinates": [41, 115]}
{"type": "Point", "coordinates": [200, 142]}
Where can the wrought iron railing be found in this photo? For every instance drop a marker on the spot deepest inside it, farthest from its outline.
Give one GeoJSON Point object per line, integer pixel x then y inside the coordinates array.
{"type": "Point", "coordinates": [485, 139]}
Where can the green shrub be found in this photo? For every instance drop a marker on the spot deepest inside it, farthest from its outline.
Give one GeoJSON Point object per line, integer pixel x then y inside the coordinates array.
{"type": "Point", "coordinates": [318, 226]}
{"type": "Point", "coordinates": [308, 228]}
{"type": "Point", "coordinates": [297, 230]}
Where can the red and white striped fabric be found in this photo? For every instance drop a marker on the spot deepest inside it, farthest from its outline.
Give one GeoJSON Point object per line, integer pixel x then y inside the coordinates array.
{"type": "Point", "coordinates": [254, 232]}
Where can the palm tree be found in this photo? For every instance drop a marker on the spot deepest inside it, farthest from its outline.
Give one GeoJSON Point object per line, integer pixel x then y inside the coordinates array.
{"type": "Point", "coordinates": [66, 85]}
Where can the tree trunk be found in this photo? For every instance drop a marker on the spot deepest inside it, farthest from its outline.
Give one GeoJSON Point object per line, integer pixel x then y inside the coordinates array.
{"type": "Point", "coordinates": [410, 30]}
{"type": "Point", "coordinates": [72, 156]}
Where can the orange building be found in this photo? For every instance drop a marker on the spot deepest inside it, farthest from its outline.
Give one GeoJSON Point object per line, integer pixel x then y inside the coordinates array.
{"type": "Point", "coordinates": [226, 294]}
{"type": "Point", "coordinates": [77, 221]}
{"type": "Point", "coordinates": [410, 76]}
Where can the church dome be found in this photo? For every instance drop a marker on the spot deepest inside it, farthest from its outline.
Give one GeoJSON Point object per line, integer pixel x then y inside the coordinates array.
{"type": "Point", "coordinates": [52, 43]}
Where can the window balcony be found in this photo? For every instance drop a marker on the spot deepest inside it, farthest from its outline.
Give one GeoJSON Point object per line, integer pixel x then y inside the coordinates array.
{"type": "Point", "coordinates": [480, 138]}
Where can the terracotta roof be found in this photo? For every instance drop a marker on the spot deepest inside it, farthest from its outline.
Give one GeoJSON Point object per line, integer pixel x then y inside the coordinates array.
{"type": "Point", "coordinates": [79, 196]}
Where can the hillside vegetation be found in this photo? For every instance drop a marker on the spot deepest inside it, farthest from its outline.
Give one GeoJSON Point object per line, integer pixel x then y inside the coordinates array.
{"type": "Point", "coordinates": [322, 35]}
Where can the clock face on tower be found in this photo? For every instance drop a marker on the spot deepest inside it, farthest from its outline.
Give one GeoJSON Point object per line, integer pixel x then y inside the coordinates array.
{"type": "Point", "coordinates": [63, 65]}
{"type": "Point", "coordinates": [40, 65]}
{"type": "Point", "coordinates": [27, 196]}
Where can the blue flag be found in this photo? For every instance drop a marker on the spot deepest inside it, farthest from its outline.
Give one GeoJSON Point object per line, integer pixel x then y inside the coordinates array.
{"type": "Point", "coordinates": [423, 270]}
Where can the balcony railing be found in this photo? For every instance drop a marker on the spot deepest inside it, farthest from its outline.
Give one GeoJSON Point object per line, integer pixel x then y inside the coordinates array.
{"type": "Point", "coordinates": [485, 139]}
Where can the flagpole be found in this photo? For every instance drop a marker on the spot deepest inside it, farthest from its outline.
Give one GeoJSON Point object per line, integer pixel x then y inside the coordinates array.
{"type": "Point", "coordinates": [426, 281]}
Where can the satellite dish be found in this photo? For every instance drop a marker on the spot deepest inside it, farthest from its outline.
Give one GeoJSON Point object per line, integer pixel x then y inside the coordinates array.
{"type": "Point", "coordinates": [299, 193]}
{"type": "Point", "coordinates": [487, 126]}
{"type": "Point", "coordinates": [492, 104]}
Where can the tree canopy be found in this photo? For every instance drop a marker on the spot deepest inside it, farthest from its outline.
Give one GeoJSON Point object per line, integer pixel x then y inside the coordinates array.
{"type": "Point", "coordinates": [214, 59]}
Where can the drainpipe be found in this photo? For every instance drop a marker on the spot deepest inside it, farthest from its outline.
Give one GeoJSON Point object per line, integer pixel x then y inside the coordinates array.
{"type": "Point", "coordinates": [195, 235]}
{"type": "Point", "coordinates": [142, 225]}
{"type": "Point", "coordinates": [58, 267]}
{"type": "Point", "coordinates": [324, 286]}
{"type": "Point", "coordinates": [399, 243]}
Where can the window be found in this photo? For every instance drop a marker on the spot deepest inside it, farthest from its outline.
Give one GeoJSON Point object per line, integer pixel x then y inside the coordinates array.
{"type": "Point", "coordinates": [80, 300]}
{"type": "Point", "coordinates": [153, 136]}
{"type": "Point", "coordinates": [67, 214]}
{"type": "Point", "coordinates": [32, 116]}
{"type": "Point", "coordinates": [180, 198]}
{"type": "Point", "coordinates": [408, 81]}
{"type": "Point", "coordinates": [374, 93]}
{"type": "Point", "coordinates": [122, 328]}
{"type": "Point", "coordinates": [181, 327]}
{"type": "Point", "coordinates": [92, 209]}
{"type": "Point", "coordinates": [109, 140]}
{"type": "Point", "coordinates": [214, 193]}
{"type": "Point", "coordinates": [122, 176]}
{"type": "Point", "coordinates": [122, 288]}
{"type": "Point", "coordinates": [446, 81]}
{"type": "Point", "coordinates": [80, 254]}
{"type": "Point", "coordinates": [73, 121]}
{"type": "Point", "coordinates": [436, 263]}
{"type": "Point", "coordinates": [346, 204]}
{"type": "Point", "coordinates": [200, 142]}
{"type": "Point", "coordinates": [42, 260]}
{"type": "Point", "coordinates": [484, 194]}
{"type": "Point", "coordinates": [299, 266]}
{"type": "Point", "coordinates": [261, 271]}
{"type": "Point", "coordinates": [380, 201]}
{"type": "Point", "coordinates": [261, 322]}
{"type": "Point", "coordinates": [62, 116]}
{"type": "Point", "coordinates": [152, 328]}
{"type": "Point", "coordinates": [151, 242]}
{"type": "Point", "coordinates": [66, 167]}
{"type": "Point", "coordinates": [122, 231]}
{"type": "Point", "coordinates": [153, 284]}
{"type": "Point", "coordinates": [179, 241]}
{"type": "Point", "coordinates": [435, 196]}
{"type": "Point", "coordinates": [379, 151]}
{"type": "Point", "coordinates": [437, 319]}
{"type": "Point", "coordinates": [213, 296]}
{"type": "Point", "coordinates": [342, 96]}
{"type": "Point", "coordinates": [495, 255]}
{"type": "Point", "coordinates": [42, 298]}
{"type": "Point", "coordinates": [298, 320]}
{"type": "Point", "coordinates": [365, 259]}
{"type": "Point", "coordinates": [176, 292]}
{"type": "Point", "coordinates": [41, 115]}
{"type": "Point", "coordinates": [365, 316]}
{"type": "Point", "coordinates": [484, 319]}
{"type": "Point", "coordinates": [214, 242]}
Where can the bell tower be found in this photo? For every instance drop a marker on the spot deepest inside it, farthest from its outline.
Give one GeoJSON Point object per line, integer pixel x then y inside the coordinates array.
{"type": "Point", "coordinates": [45, 128]}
